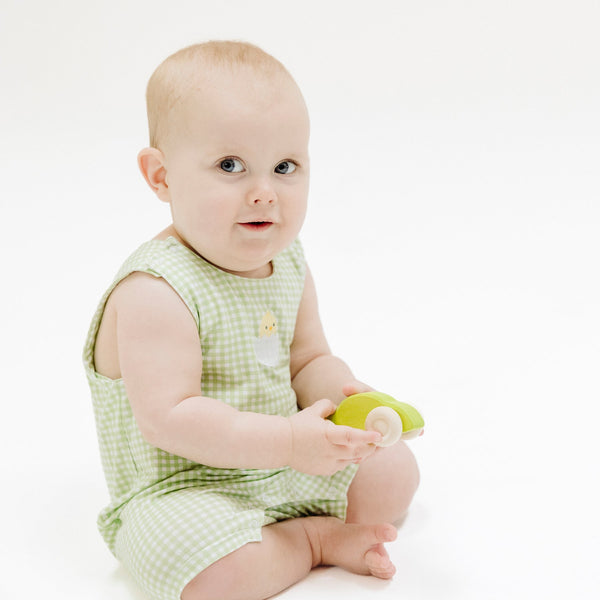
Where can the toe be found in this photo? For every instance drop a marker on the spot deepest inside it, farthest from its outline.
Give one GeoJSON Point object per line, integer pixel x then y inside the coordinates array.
{"type": "Point", "coordinates": [379, 563]}
{"type": "Point", "coordinates": [385, 532]}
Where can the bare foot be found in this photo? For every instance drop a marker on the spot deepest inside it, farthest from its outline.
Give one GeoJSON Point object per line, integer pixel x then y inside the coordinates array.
{"type": "Point", "coordinates": [356, 548]}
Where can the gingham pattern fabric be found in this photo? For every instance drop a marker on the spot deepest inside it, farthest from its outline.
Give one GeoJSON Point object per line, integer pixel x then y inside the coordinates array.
{"type": "Point", "coordinates": [169, 517]}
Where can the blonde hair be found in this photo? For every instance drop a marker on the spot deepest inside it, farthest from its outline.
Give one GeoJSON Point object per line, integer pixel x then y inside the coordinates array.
{"type": "Point", "coordinates": [180, 72]}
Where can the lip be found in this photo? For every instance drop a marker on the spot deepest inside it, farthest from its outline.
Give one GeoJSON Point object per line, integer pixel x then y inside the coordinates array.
{"type": "Point", "coordinates": [256, 225]}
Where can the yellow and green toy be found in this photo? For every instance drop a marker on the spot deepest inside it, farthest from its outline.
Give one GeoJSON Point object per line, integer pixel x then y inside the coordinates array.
{"type": "Point", "coordinates": [375, 411]}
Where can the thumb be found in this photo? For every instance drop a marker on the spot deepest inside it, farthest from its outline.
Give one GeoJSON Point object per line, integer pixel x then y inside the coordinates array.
{"type": "Point", "coordinates": [324, 408]}
{"type": "Point", "coordinates": [355, 387]}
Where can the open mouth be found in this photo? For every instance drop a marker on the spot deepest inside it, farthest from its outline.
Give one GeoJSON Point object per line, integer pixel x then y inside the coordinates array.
{"type": "Point", "coordinates": [257, 225]}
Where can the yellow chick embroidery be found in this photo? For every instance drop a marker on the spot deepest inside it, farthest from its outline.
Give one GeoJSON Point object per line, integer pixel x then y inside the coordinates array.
{"type": "Point", "coordinates": [266, 346]}
{"type": "Point", "coordinates": [268, 325]}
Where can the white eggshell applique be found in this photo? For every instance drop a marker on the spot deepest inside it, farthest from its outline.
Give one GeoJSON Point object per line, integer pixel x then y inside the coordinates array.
{"type": "Point", "coordinates": [266, 346]}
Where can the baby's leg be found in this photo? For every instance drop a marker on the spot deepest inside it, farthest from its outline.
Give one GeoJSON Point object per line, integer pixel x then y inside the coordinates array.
{"type": "Point", "coordinates": [383, 486]}
{"type": "Point", "coordinates": [287, 553]}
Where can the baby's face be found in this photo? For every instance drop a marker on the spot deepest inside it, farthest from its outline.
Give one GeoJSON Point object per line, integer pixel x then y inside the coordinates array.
{"type": "Point", "coordinates": [238, 169]}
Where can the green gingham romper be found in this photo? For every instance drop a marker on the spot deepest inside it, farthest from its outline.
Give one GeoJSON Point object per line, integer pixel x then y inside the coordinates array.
{"type": "Point", "coordinates": [169, 518]}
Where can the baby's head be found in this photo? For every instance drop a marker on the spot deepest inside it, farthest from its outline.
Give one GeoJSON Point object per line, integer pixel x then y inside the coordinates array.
{"type": "Point", "coordinates": [228, 151]}
{"type": "Point", "coordinates": [193, 70]}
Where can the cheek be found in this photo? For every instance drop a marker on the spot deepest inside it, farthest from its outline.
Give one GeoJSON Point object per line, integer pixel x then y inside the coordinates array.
{"type": "Point", "coordinates": [203, 202]}
{"type": "Point", "coordinates": [297, 198]}
{"type": "Point", "coordinates": [300, 205]}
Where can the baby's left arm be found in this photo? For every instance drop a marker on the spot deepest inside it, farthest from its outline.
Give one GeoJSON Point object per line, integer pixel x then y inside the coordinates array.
{"type": "Point", "coordinates": [316, 373]}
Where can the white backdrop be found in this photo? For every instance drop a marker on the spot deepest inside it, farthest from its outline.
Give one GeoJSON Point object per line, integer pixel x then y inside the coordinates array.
{"type": "Point", "coordinates": [453, 231]}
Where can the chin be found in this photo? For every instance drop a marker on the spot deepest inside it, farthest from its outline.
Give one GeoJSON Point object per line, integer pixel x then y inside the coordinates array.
{"type": "Point", "coordinates": [255, 257]}
{"type": "Point", "coordinates": [261, 267]}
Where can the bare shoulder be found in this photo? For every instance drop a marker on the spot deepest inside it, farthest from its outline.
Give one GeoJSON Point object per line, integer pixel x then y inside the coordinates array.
{"type": "Point", "coordinates": [142, 291]}
{"type": "Point", "coordinates": [141, 305]}
{"type": "Point", "coordinates": [145, 304]}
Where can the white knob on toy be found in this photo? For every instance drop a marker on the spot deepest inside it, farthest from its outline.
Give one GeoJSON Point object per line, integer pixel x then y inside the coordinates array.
{"type": "Point", "coordinates": [386, 421]}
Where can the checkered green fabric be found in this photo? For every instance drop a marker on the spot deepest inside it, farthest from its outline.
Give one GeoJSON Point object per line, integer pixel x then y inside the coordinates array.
{"type": "Point", "coordinates": [169, 517]}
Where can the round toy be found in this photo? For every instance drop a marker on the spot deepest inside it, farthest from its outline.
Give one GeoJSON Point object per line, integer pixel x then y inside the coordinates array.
{"type": "Point", "coordinates": [375, 411]}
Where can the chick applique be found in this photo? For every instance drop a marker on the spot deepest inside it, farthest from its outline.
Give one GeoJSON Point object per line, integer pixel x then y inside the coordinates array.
{"type": "Point", "coordinates": [266, 346]}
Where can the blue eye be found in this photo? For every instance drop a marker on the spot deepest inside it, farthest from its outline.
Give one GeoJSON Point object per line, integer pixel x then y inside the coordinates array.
{"type": "Point", "coordinates": [285, 168]}
{"type": "Point", "coordinates": [231, 165]}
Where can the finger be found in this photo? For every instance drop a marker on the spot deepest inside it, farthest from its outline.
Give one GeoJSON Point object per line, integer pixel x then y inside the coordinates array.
{"type": "Point", "coordinates": [323, 408]}
{"type": "Point", "coordinates": [347, 456]}
{"type": "Point", "coordinates": [364, 451]}
{"type": "Point", "coordinates": [355, 387]}
{"type": "Point", "coordinates": [344, 462]}
{"type": "Point", "coordinates": [368, 450]}
{"type": "Point", "coordinates": [341, 435]}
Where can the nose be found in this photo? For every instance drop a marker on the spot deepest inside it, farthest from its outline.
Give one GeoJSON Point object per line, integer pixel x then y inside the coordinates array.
{"type": "Point", "coordinates": [262, 192]}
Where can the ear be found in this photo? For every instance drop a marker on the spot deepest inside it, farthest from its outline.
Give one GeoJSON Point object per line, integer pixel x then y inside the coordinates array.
{"type": "Point", "coordinates": [151, 162]}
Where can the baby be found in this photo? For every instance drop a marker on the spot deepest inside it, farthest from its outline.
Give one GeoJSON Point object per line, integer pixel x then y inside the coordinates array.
{"type": "Point", "coordinates": [210, 373]}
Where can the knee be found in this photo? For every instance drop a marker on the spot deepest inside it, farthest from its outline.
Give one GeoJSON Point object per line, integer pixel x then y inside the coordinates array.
{"type": "Point", "coordinates": [384, 486]}
{"type": "Point", "coordinates": [413, 476]}
{"type": "Point", "coordinates": [408, 469]}
{"type": "Point", "coordinates": [403, 478]}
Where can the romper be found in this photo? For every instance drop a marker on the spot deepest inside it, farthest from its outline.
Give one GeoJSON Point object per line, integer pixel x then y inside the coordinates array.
{"type": "Point", "coordinates": [169, 518]}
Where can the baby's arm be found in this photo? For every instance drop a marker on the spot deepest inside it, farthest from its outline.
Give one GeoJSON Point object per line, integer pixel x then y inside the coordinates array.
{"type": "Point", "coordinates": [160, 358]}
{"type": "Point", "coordinates": [316, 372]}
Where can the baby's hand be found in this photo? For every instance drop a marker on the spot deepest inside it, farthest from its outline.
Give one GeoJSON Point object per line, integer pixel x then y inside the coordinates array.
{"type": "Point", "coordinates": [356, 387]}
{"type": "Point", "coordinates": [321, 448]}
